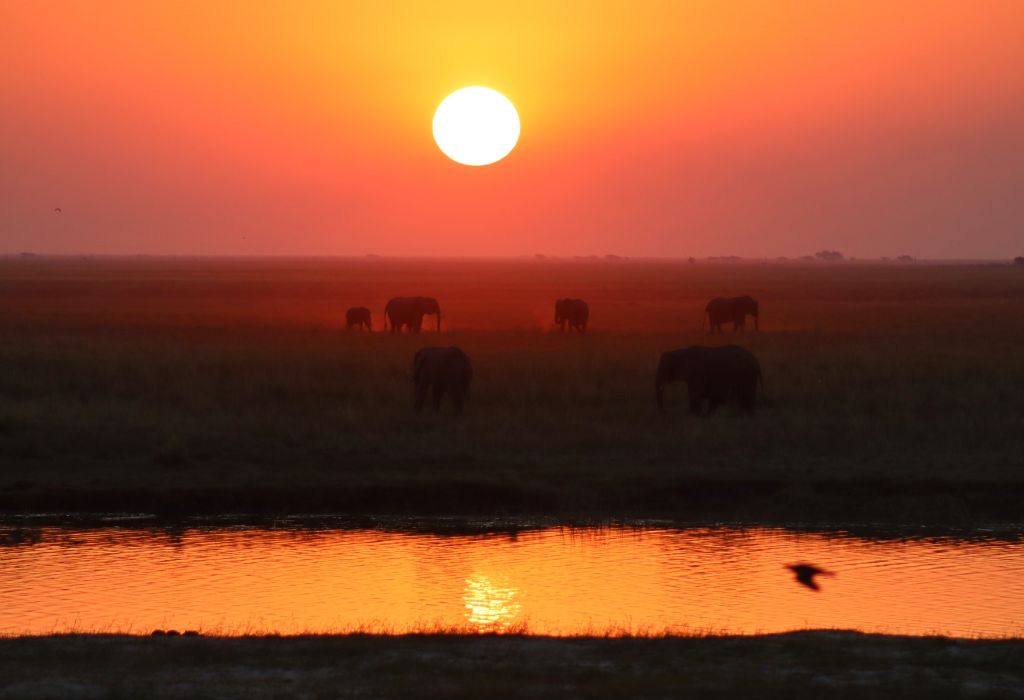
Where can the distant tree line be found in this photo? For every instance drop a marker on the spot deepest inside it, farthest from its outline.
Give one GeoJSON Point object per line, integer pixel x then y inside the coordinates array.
{"type": "Point", "coordinates": [1019, 260]}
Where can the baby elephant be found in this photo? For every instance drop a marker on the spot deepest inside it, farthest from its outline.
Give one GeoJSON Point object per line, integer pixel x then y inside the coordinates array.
{"type": "Point", "coordinates": [711, 374]}
{"type": "Point", "coordinates": [446, 370]}
{"type": "Point", "coordinates": [358, 316]}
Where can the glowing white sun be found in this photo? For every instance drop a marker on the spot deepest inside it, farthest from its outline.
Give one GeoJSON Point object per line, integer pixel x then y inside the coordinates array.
{"type": "Point", "coordinates": [476, 126]}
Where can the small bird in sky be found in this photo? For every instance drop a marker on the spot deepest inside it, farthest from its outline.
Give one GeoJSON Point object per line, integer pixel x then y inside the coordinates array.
{"type": "Point", "coordinates": [805, 574]}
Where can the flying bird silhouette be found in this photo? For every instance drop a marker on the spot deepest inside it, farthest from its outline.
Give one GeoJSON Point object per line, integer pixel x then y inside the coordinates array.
{"type": "Point", "coordinates": [805, 574]}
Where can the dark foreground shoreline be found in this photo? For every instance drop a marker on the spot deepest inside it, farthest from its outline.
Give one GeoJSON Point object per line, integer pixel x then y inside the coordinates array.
{"type": "Point", "coordinates": [809, 664]}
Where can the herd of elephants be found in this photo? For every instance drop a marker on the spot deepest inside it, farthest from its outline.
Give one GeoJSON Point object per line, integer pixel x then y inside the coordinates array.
{"type": "Point", "coordinates": [712, 374]}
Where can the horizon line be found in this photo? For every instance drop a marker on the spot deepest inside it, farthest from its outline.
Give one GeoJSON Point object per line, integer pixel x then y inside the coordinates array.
{"type": "Point", "coordinates": [534, 257]}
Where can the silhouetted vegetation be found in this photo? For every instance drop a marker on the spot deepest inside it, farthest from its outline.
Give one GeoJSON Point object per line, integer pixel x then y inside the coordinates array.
{"type": "Point", "coordinates": [829, 255]}
{"type": "Point", "coordinates": [1019, 260]}
{"type": "Point", "coordinates": [822, 664]}
{"type": "Point", "coordinates": [894, 393]}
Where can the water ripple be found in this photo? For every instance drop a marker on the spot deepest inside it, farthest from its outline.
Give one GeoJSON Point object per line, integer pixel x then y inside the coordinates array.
{"type": "Point", "coordinates": [604, 580]}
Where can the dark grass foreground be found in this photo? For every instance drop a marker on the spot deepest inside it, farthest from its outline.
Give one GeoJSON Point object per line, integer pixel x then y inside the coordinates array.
{"type": "Point", "coordinates": [183, 387]}
{"type": "Point", "coordinates": [798, 665]}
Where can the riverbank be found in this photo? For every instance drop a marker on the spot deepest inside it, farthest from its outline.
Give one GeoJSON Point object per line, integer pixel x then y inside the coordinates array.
{"type": "Point", "coordinates": [796, 665]}
{"type": "Point", "coordinates": [883, 502]}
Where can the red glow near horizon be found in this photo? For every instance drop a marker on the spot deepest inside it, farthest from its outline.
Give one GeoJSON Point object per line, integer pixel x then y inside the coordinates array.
{"type": "Point", "coordinates": [715, 128]}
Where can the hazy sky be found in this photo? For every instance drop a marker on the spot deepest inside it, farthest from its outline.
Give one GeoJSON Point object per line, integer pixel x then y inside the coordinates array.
{"type": "Point", "coordinates": [877, 127]}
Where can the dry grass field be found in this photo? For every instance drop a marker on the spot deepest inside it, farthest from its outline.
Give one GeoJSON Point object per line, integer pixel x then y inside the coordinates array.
{"type": "Point", "coordinates": [185, 386]}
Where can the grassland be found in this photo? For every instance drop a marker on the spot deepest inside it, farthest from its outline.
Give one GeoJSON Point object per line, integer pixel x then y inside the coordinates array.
{"type": "Point", "coordinates": [894, 393]}
{"type": "Point", "coordinates": [800, 665]}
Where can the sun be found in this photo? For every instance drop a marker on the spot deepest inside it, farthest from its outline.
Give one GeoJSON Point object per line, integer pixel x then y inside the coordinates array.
{"type": "Point", "coordinates": [476, 126]}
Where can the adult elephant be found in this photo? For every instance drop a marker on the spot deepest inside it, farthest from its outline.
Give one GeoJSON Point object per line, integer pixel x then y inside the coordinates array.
{"type": "Point", "coordinates": [358, 316]}
{"type": "Point", "coordinates": [445, 371]}
{"type": "Point", "coordinates": [732, 310]}
{"type": "Point", "coordinates": [575, 312]}
{"type": "Point", "coordinates": [409, 312]}
{"type": "Point", "coordinates": [712, 375]}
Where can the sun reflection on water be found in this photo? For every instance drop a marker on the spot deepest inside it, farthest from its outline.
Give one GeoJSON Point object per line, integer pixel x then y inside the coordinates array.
{"type": "Point", "coordinates": [491, 604]}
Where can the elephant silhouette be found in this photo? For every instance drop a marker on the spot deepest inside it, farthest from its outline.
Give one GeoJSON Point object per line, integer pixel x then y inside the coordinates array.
{"type": "Point", "coordinates": [711, 374]}
{"type": "Point", "coordinates": [732, 310]}
{"type": "Point", "coordinates": [575, 312]}
{"type": "Point", "coordinates": [443, 370]}
{"type": "Point", "coordinates": [408, 312]}
{"type": "Point", "coordinates": [358, 316]}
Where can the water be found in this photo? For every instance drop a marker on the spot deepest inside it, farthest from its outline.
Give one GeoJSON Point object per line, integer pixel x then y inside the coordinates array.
{"type": "Point", "coordinates": [553, 581]}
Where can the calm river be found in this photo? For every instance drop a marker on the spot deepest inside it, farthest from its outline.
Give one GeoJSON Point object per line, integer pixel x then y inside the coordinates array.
{"type": "Point", "coordinates": [551, 581]}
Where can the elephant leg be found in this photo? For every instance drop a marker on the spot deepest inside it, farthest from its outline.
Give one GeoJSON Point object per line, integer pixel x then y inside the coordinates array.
{"type": "Point", "coordinates": [695, 403]}
{"type": "Point", "coordinates": [748, 396]}
{"type": "Point", "coordinates": [716, 396]}
{"type": "Point", "coordinates": [458, 397]}
{"type": "Point", "coordinates": [421, 395]}
{"type": "Point", "coordinates": [747, 404]}
{"type": "Point", "coordinates": [713, 400]}
{"type": "Point", "coordinates": [438, 393]}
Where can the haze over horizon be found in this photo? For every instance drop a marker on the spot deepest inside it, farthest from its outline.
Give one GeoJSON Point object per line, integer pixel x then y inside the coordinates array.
{"type": "Point", "coordinates": [667, 130]}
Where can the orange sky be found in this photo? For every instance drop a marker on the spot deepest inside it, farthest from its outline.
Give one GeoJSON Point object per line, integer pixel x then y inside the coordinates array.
{"type": "Point", "coordinates": [701, 127]}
